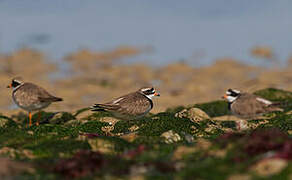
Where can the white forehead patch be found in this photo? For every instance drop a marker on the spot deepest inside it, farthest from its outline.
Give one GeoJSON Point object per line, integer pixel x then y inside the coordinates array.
{"type": "Point", "coordinates": [17, 81]}
{"type": "Point", "coordinates": [228, 92]}
{"type": "Point", "coordinates": [148, 89]}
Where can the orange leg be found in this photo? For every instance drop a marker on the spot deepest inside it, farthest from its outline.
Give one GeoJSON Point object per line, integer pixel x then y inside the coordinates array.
{"type": "Point", "coordinates": [38, 119]}
{"type": "Point", "coordinates": [30, 117]}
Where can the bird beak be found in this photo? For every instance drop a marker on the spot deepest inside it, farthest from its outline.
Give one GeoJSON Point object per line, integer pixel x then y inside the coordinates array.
{"type": "Point", "coordinates": [224, 97]}
{"type": "Point", "coordinates": [156, 94]}
{"type": "Point", "coordinates": [9, 86]}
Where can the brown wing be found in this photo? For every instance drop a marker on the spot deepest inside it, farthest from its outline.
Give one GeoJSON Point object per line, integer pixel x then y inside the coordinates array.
{"type": "Point", "coordinates": [33, 94]}
{"type": "Point", "coordinates": [134, 104]}
{"type": "Point", "coordinates": [248, 105]}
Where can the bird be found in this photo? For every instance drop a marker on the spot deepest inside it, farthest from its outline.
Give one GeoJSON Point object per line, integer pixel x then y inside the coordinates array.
{"type": "Point", "coordinates": [30, 97]}
{"type": "Point", "coordinates": [247, 106]}
{"type": "Point", "coordinates": [130, 106]}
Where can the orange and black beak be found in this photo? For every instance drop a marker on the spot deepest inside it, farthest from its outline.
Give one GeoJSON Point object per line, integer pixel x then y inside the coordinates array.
{"type": "Point", "coordinates": [156, 94]}
{"type": "Point", "coordinates": [9, 86]}
{"type": "Point", "coordinates": [224, 97]}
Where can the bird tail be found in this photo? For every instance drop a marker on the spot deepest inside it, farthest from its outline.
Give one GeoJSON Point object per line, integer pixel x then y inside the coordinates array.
{"type": "Point", "coordinates": [276, 106]}
{"type": "Point", "coordinates": [50, 99]}
{"type": "Point", "coordinates": [97, 107]}
{"type": "Point", "coordinates": [103, 107]}
{"type": "Point", "coordinates": [58, 99]}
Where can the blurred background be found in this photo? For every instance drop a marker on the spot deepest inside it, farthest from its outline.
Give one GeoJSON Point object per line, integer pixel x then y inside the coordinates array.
{"type": "Point", "coordinates": [191, 51]}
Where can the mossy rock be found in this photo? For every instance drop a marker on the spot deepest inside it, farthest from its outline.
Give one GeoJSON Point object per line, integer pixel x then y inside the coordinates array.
{"type": "Point", "coordinates": [57, 139]}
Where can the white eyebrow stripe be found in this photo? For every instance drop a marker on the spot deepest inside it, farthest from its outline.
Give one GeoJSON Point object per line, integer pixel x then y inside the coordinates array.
{"type": "Point", "coordinates": [146, 89]}
{"type": "Point", "coordinates": [118, 100]}
{"type": "Point", "coordinates": [236, 91]}
{"type": "Point", "coordinates": [267, 102]}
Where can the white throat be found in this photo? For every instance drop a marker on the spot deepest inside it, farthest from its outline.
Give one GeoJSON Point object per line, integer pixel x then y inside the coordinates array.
{"type": "Point", "coordinates": [231, 99]}
{"type": "Point", "coordinates": [150, 96]}
{"type": "Point", "coordinates": [15, 88]}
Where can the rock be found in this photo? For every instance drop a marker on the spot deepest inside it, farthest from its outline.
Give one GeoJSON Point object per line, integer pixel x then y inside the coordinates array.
{"type": "Point", "coordinates": [130, 137]}
{"type": "Point", "coordinates": [226, 118]}
{"type": "Point", "coordinates": [194, 114]}
{"type": "Point", "coordinates": [182, 151]}
{"type": "Point", "coordinates": [107, 129]}
{"type": "Point", "coordinates": [241, 125]}
{"type": "Point", "coordinates": [13, 153]}
{"type": "Point", "coordinates": [239, 177]}
{"type": "Point", "coordinates": [203, 144]}
{"type": "Point", "coordinates": [269, 167]}
{"type": "Point", "coordinates": [189, 138]}
{"type": "Point", "coordinates": [134, 128]}
{"type": "Point", "coordinates": [111, 120]}
{"type": "Point", "coordinates": [170, 137]}
{"type": "Point", "coordinates": [101, 145]}
{"type": "Point", "coordinates": [9, 168]}
{"type": "Point", "coordinates": [3, 122]}
{"type": "Point", "coordinates": [289, 112]}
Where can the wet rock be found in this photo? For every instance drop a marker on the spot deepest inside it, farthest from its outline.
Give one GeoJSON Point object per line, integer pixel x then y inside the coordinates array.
{"type": "Point", "coordinates": [242, 125]}
{"type": "Point", "coordinates": [13, 153]}
{"type": "Point", "coordinates": [194, 114]}
{"type": "Point", "coordinates": [213, 126]}
{"type": "Point", "coordinates": [3, 122]}
{"type": "Point", "coordinates": [101, 145]}
{"type": "Point", "coordinates": [110, 120]}
{"type": "Point", "coordinates": [226, 118]}
{"type": "Point", "coordinates": [83, 163]}
{"type": "Point", "coordinates": [130, 137]}
{"type": "Point", "coordinates": [107, 129]}
{"type": "Point", "coordinates": [203, 144]}
{"type": "Point", "coordinates": [239, 177]}
{"type": "Point", "coordinates": [289, 112]}
{"type": "Point", "coordinates": [134, 128]}
{"type": "Point", "coordinates": [9, 168]}
{"type": "Point", "coordinates": [132, 153]}
{"type": "Point", "coordinates": [269, 167]}
{"type": "Point", "coordinates": [182, 151]}
{"type": "Point", "coordinates": [170, 137]}
{"type": "Point", "coordinates": [189, 138]}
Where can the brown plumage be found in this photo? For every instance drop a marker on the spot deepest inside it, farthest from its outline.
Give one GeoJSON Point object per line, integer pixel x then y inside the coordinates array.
{"type": "Point", "coordinates": [133, 105]}
{"type": "Point", "coordinates": [245, 105]}
{"type": "Point", "coordinates": [31, 97]}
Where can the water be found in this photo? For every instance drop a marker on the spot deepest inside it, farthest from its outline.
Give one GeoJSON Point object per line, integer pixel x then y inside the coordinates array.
{"type": "Point", "coordinates": [196, 31]}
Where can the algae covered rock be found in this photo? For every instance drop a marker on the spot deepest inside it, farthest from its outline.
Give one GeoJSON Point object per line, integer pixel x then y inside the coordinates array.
{"type": "Point", "coordinates": [6, 122]}
{"type": "Point", "coordinates": [101, 145]}
{"type": "Point", "coordinates": [171, 137]}
{"type": "Point", "coordinates": [268, 167]}
{"type": "Point", "coordinates": [194, 114]}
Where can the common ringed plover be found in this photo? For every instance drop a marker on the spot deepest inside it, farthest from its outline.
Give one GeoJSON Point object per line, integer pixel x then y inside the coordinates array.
{"type": "Point", "coordinates": [248, 106]}
{"type": "Point", "coordinates": [30, 97]}
{"type": "Point", "coordinates": [130, 106]}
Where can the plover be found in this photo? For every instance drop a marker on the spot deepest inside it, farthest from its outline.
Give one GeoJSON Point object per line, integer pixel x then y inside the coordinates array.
{"type": "Point", "coordinates": [130, 106]}
{"type": "Point", "coordinates": [30, 97]}
{"type": "Point", "coordinates": [248, 106]}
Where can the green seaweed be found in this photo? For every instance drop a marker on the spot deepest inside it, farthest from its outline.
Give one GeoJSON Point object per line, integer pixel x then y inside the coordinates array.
{"type": "Point", "coordinates": [57, 138]}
